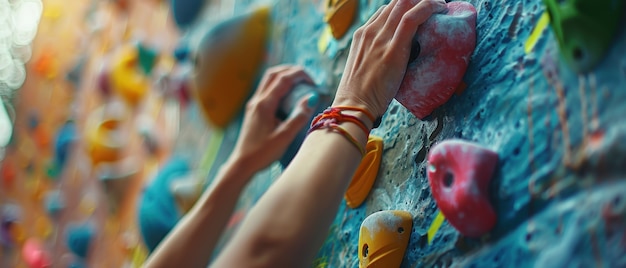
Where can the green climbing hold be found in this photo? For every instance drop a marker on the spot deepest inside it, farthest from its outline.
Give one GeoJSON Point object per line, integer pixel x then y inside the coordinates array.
{"type": "Point", "coordinates": [584, 29]}
{"type": "Point", "coordinates": [53, 170]}
{"type": "Point", "coordinates": [147, 58]}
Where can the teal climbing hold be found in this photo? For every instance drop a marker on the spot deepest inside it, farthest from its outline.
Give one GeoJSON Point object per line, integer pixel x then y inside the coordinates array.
{"type": "Point", "coordinates": [147, 58]}
{"type": "Point", "coordinates": [584, 29]}
{"type": "Point", "coordinates": [79, 238]}
{"type": "Point", "coordinates": [158, 212]}
{"type": "Point", "coordinates": [185, 12]}
{"type": "Point", "coordinates": [54, 203]}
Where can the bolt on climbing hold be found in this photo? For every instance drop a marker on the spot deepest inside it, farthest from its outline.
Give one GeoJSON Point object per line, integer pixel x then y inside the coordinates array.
{"type": "Point", "coordinates": [366, 173]}
{"type": "Point", "coordinates": [584, 29]}
{"type": "Point", "coordinates": [35, 255]}
{"type": "Point", "coordinates": [442, 48]}
{"type": "Point", "coordinates": [339, 15]}
{"type": "Point", "coordinates": [459, 173]}
{"type": "Point", "coordinates": [230, 55]}
{"type": "Point", "coordinates": [383, 238]}
{"type": "Point", "coordinates": [126, 79]}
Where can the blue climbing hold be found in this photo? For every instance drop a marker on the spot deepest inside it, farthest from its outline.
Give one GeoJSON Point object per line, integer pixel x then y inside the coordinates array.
{"type": "Point", "coordinates": [54, 203]}
{"type": "Point", "coordinates": [66, 136]}
{"type": "Point", "coordinates": [181, 53]}
{"type": "Point", "coordinates": [186, 11]}
{"type": "Point", "coordinates": [158, 212]}
{"type": "Point", "coordinates": [76, 73]}
{"type": "Point", "coordinates": [79, 238]}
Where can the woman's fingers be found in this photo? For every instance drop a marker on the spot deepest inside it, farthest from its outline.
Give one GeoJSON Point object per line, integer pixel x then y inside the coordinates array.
{"type": "Point", "coordinates": [269, 76]}
{"type": "Point", "coordinates": [375, 15]}
{"type": "Point", "coordinates": [297, 120]}
{"type": "Point", "coordinates": [283, 83]}
{"type": "Point", "coordinates": [382, 10]}
{"type": "Point", "coordinates": [414, 17]}
{"type": "Point", "coordinates": [398, 10]}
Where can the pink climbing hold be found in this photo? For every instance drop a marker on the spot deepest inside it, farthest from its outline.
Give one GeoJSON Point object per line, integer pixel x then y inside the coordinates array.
{"type": "Point", "coordinates": [446, 42]}
{"type": "Point", "coordinates": [34, 254]}
{"type": "Point", "coordinates": [104, 86]}
{"type": "Point", "coordinates": [459, 173]}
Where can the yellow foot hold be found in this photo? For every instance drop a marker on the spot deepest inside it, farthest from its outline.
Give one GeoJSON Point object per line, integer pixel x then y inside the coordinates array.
{"type": "Point", "coordinates": [383, 239]}
{"type": "Point", "coordinates": [340, 15]}
{"type": "Point", "coordinates": [366, 173]}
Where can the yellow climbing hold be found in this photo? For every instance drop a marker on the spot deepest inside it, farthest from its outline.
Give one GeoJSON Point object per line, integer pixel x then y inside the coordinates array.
{"type": "Point", "coordinates": [383, 238]}
{"type": "Point", "coordinates": [324, 41]}
{"type": "Point", "coordinates": [434, 226]}
{"type": "Point", "coordinates": [126, 78]}
{"type": "Point", "coordinates": [43, 227]}
{"type": "Point", "coordinates": [17, 232]}
{"type": "Point", "coordinates": [542, 24]}
{"type": "Point", "coordinates": [229, 61]}
{"type": "Point", "coordinates": [340, 15]}
{"type": "Point", "coordinates": [104, 138]}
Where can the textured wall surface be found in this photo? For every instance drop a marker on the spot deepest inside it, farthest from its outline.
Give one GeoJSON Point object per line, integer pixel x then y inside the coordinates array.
{"type": "Point", "coordinates": [558, 190]}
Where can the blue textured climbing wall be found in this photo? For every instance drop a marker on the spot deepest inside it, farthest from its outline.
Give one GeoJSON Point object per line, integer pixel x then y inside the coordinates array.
{"type": "Point", "coordinates": [558, 191]}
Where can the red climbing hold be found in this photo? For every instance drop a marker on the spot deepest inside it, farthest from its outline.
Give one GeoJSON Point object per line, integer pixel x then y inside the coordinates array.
{"type": "Point", "coordinates": [445, 43]}
{"type": "Point", "coordinates": [35, 255]}
{"type": "Point", "coordinates": [459, 173]}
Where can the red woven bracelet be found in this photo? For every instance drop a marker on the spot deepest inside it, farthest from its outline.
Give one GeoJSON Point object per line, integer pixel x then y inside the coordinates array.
{"type": "Point", "coordinates": [332, 117]}
{"type": "Point", "coordinates": [335, 116]}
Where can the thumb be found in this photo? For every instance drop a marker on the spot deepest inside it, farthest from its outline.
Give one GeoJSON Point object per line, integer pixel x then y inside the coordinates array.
{"type": "Point", "coordinates": [299, 117]}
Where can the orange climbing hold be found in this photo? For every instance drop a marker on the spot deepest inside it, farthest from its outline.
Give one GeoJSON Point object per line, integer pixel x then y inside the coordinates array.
{"type": "Point", "coordinates": [8, 173]}
{"type": "Point", "coordinates": [366, 173]}
{"type": "Point", "coordinates": [45, 65]}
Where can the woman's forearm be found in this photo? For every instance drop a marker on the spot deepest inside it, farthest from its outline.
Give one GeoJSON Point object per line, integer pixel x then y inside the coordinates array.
{"type": "Point", "coordinates": [191, 242]}
{"type": "Point", "coordinates": [290, 222]}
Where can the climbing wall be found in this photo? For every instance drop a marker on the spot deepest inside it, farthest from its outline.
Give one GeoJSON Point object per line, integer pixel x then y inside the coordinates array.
{"type": "Point", "coordinates": [558, 189]}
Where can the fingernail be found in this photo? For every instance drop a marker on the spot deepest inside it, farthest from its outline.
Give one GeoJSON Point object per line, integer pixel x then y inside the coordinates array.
{"type": "Point", "coordinates": [313, 100]}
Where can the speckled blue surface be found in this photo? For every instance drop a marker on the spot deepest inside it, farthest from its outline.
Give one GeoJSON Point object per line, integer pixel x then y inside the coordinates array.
{"type": "Point", "coordinates": [559, 137]}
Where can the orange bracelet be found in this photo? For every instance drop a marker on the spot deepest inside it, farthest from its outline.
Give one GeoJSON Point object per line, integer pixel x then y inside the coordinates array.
{"type": "Point", "coordinates": [352, 108]}
{"type": "Point", "coordinates": [332, 117]}
{"type": "Point", "coordinates": [350, 138]}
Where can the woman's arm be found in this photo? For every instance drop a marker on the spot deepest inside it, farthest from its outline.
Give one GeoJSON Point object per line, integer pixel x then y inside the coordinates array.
{"type": "Point", "coordinates": [290, 222]}
{"type": "Point", "coordinates": [262, 140]}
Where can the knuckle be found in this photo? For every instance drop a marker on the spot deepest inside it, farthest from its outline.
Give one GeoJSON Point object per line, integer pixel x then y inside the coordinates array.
{"type": "Point", "coordinates": [358, 33]}
{"type": "Point", "coordinates": [283, 79]}
{"type": "Point", "coordinates": [252, 104]}
{"type": "Point", "coordinates": [431, 4]}
{"type": "Point", "coordinates": [370, 34]}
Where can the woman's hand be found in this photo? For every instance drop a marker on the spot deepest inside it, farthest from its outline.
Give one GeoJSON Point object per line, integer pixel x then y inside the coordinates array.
{"type": "Point", "coordinates": [380, 52]}
{"type": "Point", "coordinates": [263, 137]}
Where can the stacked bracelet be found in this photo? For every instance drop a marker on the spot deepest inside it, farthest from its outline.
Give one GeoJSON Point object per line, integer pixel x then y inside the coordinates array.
{"type": "Point", "coordinates": [332, 117]}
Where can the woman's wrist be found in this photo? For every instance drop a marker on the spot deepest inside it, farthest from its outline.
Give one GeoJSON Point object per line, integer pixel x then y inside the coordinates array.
{"type": "Point", "coordinates": [239, 167]}
{"type": "Point", "coordinates": [360, 110]}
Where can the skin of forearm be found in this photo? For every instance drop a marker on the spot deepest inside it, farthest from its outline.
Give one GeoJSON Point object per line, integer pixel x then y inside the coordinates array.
{"type": "Point", "coordinates": [290, 222]}
{"type": "Point", "coordinates": [191, 242]}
